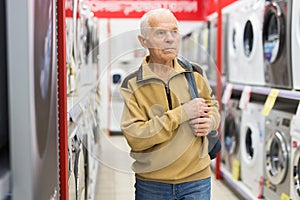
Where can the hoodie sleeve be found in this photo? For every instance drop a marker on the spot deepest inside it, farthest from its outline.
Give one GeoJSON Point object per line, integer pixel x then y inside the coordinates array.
{"type": "Point", "coordinates": [206, 92]}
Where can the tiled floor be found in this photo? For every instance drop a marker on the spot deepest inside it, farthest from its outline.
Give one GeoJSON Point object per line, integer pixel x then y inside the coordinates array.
{"type": "Point", "coordinates": [116, 183]}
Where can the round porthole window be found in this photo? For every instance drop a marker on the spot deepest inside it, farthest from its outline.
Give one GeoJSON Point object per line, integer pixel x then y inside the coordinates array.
{"type": "Point", "coordinates": [248, 38]}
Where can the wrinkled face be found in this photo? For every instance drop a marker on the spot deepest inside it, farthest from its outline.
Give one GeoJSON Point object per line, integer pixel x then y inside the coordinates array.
{"type": "Point", "coordinates": [163, 38]}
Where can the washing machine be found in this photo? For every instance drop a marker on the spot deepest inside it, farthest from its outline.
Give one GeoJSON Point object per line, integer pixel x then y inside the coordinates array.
{"type": "Point", "coordinates": [252, 61]}
{"type": "Point", "coordinates": [276, 43]}
{"type": "Point", "coordinates": [277, 154]}
{"type": "Point", "coordinates": [213, 73]}
{"type": "Point", "coordinates": [33, 77]}
{"type": "Point", "coordinates": [235, 47]}
{"type": "Point", "coordinates": [295, 158]}
{"type": "Point", "coordinates": [295, 44]}
{"type": "Point", "coordinates": [252, 147]}
{"type": "Point", "coordinates": [231, 135]}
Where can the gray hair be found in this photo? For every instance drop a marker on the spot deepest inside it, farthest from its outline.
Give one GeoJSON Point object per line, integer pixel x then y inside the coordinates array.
{"type": "Point", "coordinates": [145, 24]}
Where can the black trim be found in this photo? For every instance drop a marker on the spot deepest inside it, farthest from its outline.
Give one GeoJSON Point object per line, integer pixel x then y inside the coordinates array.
{"type": "Point", "coordinates": [128, 78]}
{"type": "Point", "coordinates": [115, 133]}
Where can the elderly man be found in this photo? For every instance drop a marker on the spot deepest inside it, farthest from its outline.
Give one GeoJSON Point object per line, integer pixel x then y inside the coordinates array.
{"type": "Point", "coordinates": [163, 125]}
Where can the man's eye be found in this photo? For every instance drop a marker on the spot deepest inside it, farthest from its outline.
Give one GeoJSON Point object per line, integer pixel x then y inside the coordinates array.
{"type": "Point", "coordinates": [161, 32]}
{"type": "Point", "coordinates": [174, 32]}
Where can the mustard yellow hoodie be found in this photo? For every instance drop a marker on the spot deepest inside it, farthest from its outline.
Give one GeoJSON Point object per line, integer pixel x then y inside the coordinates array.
{"type": "Point", "coordinates": [157, 128]}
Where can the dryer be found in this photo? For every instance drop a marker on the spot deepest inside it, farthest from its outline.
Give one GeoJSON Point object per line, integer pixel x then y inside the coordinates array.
{"type": "Point", "coordinates": [277, 154]}
{"type": "Point", "coordinates": [295, 44]}
{"type": "Point", "coordinates": [295, 158]}
{"type": "Point", "coordinates": [276, 44]}
{"type": "Point", "coordinates": [252, 61]}
{"type": "Point", "coordinates": [252, 147]}
{"type": "Point", "coordinates": [231, 134]}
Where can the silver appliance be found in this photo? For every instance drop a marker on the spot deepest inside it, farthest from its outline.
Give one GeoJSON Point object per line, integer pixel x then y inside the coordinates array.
{"type": "Point", "coordinates": [33, 112]}
{"type": "Point", "coordinates": [277, 154]}
{"type": "Point", "coordinates": [295, 44]}
{"type": "Point", "coordinates": [276, 43]}
{"type": "Point", "coordinates": [252, 147]}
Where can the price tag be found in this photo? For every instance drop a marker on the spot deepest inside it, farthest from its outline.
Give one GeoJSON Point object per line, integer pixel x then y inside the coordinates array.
{"type": "Point", "coordinates": [284, 196]}
{"type": "Point", "coordinates": [270, 102]}
{"type": "Point", "coordinates": [245, 98]}
{"type": "Point", "coordinates": [236, 169]}
{"type": "Point", "coordinates": [227, 94]}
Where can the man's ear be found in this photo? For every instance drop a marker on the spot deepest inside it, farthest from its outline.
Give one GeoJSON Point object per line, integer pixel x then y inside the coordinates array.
{"type": "Point", "coordinates": [143, 41]}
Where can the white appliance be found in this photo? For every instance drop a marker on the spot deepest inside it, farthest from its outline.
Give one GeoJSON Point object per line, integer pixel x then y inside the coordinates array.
{"type": "Point", "coordinates": [276, 44]}
{"type": "Point", "coordinates": [295, 158]}
{"type": "Point", "coordinates": [277, 154]}
{"type": "Point", "coordinates": [252, 147]}
{"type": "Point", "coordinates": [235, 46]}
{"type": "Point", "coordinates": [212, 71]}
{"type": "Point", "coordinates": [117, 76]}
{"type": "Point", "coordinates": [252, 61]}
{"type": "Point", "coordinates": [231, 134]}
{"type": "Point", "coordinates": [295, 44]}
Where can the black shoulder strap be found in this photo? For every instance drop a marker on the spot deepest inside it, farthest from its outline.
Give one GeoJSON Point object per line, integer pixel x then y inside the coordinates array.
{"type": "Point", "coordinates": [190, 77]}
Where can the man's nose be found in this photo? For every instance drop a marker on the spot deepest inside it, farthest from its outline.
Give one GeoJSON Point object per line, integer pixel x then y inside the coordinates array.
{"type": "Point", "coordinates": [170, 37]}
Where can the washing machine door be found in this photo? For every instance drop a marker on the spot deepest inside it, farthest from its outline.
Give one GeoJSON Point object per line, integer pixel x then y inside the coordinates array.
{"type": "Point", "coordinates": [248, 39]}
{"type": "Point", "coordinates": [233, 46]}
{"type": "Point", "coordinates": [249, 145]}
{"type": "Point", "coordinates": [231, 134]}
{"type": "Point", "coordinates": [276, 158]}
{"type": "Point", "coordinates": [296, 173]}
{"type": "Point", "coordinates": [45, 67]}
{"type": "Point", "coordinates": [273, 32]}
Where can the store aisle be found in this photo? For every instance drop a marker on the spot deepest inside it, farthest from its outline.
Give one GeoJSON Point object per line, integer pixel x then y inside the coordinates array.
{"type": "Point", "coordinates": [113, 184]}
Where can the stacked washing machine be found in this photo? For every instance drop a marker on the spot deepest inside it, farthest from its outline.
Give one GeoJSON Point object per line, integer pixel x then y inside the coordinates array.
{"type": "Point", "coordinates": [295, 45]}
{"type": "Point", "coordinates": [231, 135]}
{"type": "Point", "coordinates": [245, 49]}
{"type": "Point", "coordinates": [295, 158]}
{"type": "Point", "coordinates": [252, 63]}
{"type": "Point", "coordinates": [277, 154]}
{"type": "Point", "coordinates": [234, 46]}
{"type": "Point", "coordinates": [276, 43]}
{"type": "Point", "coordinates": [252, 147]}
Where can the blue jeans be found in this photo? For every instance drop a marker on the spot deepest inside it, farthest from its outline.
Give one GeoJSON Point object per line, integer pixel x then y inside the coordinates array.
{"type": "Point", "coordinates": [195, 190]}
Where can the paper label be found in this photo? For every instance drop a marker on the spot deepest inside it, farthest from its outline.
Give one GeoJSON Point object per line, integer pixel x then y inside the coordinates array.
{"type": "Point", "coordinates": [227, 94]}
{"type": "Point", "coordinates": [284, 196]}
{"type": "Point", "coordinates": [236, 169]}
{"type": "Point", "coordinates": [270, 102]}
{"type": "Point", "coordinates": [245, 97]}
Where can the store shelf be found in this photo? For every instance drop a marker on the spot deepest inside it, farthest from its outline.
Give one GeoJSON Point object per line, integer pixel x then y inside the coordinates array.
{"type": "Point", "coordinates": [283, 93]}
{"type": "Point", "coordinates": [76, 97]}
{"type": "Point", "coordinates": [238, 186]}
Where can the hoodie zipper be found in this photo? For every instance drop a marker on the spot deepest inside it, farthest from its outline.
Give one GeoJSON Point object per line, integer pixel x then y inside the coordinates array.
{"type": "Point", "coordinates": [168, 96]}
{"type": "Point", "coordinates": [167, 89]}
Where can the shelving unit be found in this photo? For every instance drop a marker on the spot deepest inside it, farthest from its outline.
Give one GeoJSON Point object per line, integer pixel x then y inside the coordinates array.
{"type": "Point", "coordinates": [290, 98]}
{"type": "Point", "coordinates": [236, 185]}
{"type": "Point", "coordinates": [82, 137]}
{"type": "Point", "coordinates": [284, 93]}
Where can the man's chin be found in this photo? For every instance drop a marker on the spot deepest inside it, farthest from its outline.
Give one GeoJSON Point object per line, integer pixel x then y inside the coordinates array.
{"type": "Point", "coordinates": [170, 54]}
